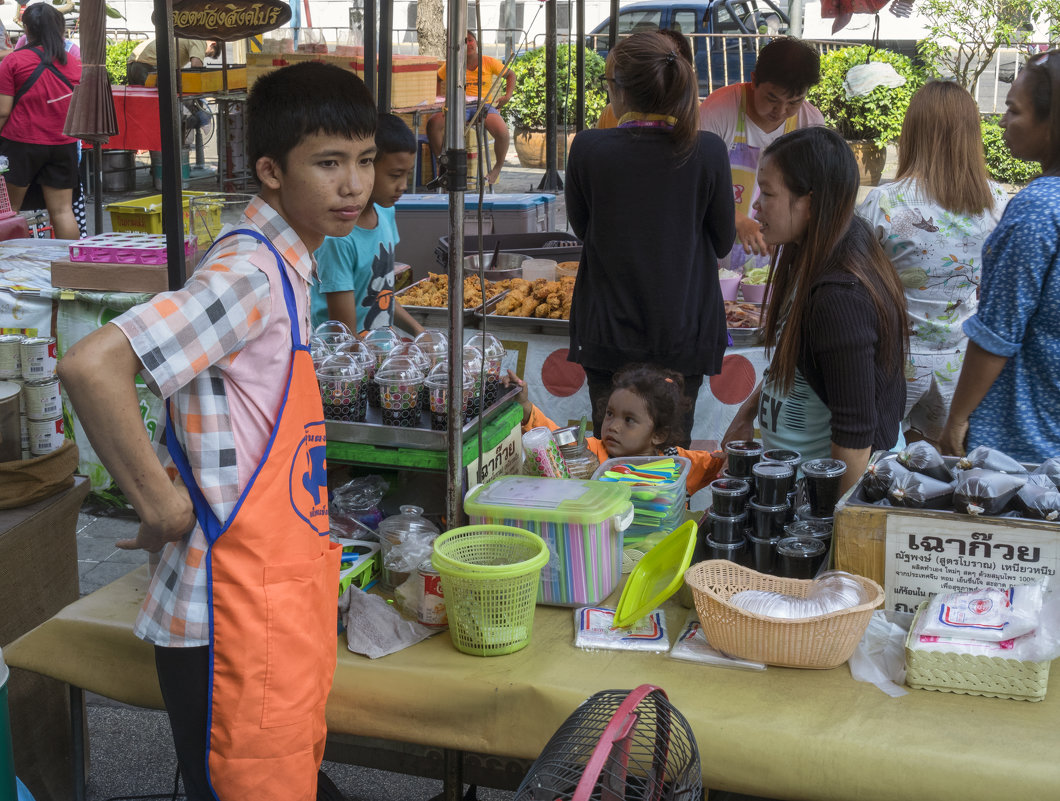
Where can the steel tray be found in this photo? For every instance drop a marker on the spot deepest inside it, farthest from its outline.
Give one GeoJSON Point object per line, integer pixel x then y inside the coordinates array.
{"type": "Point", "coordinates": [373, 432]}
{"type": "Point", "coordinates": [438, 316]}
{"type": "Point", "coordinates": [746, 337]}
{"type": "Point", "coordinates": [535, 325]}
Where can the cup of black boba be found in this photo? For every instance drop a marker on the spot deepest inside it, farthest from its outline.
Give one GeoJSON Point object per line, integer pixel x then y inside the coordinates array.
{"type": "Point", "coordinates": [727, 528]}
{"type": "Point", "coordinates": [805, 512]}
{"type": "Point", "coordinates": [773, 482]}
{"type": "Point", "coordinates": [800, 557]}
{"type": "Point", "coordinates": [767, 520]}
{"type": "Point", "coordinates": [784, 456]}
{"type": "Point", "coordinates": [763, 553]}
{"type": "Point", "coordinates": [743, 454]}
{"type": "Point", "coordinates": [822, 480]}
{"type": "Point", "coordinates": [729, 495]}
{"type": "Point", "coordinates": [733, 551]}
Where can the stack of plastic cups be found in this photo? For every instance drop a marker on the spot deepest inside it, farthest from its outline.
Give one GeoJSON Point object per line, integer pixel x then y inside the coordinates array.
{"type": "Point", "coordinates": [473, 364]}
{"type": "Point", "coordinates": [727, 519]}
{"type": "Point", "coordinates": [437, 384]}
{"type": "Point", "coordinates": [341, 381]}
{"type": "Point", "coordinates": [492, 355]}
{"type": "Point", "coordinates": [808, 544]}
{"type": "Point", "coordinates": [422, 362]}
{"type": "Point", "coordinates": [379, 342]}
{"type": "Point", "coordinates": [542, 454]}
{"type": "Point", "coordinates": [400, 382]}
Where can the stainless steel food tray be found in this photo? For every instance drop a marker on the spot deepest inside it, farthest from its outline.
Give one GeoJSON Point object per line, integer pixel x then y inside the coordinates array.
{"type": "Point", "coordinates": [373, 432]}
{"type": "Point", "coordinates": [746, 337]}
{"type": "Point", "coordinates": [536, 325]}
{"type": "Point", "coordinates": [438, 316]}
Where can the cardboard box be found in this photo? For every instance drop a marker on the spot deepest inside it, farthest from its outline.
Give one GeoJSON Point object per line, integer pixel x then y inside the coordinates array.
{"type": "Point", "coordinates": [110, 277]}
{"type": "Point", "coordinates": [915, 553]}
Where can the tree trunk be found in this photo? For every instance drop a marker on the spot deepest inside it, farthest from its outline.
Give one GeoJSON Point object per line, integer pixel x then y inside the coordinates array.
{"type": "Point", "coordinates": [430, 27]}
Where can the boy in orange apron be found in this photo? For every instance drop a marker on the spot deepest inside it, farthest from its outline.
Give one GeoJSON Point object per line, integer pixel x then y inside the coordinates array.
{"type": "Point", "coordinates": [241, 602]}
{"type": "Point", "coordinates": [749, 116]}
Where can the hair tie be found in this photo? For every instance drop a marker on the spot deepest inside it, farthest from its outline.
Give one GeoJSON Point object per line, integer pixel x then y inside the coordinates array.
{"type": "Point", "coordinates": [671, 57]}
{"type": "Point", "coordinates": [668, 380]}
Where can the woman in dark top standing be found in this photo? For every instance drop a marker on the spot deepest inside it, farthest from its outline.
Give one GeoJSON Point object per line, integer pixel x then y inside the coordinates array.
{"type": "Point", "coordinates": [652, 202]}
{"type": "Point", "coordinates": [837, 322]}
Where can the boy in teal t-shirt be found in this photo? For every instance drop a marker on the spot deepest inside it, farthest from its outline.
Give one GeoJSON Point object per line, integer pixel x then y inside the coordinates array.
{"type": "Point", "coordinates": [356, 272]}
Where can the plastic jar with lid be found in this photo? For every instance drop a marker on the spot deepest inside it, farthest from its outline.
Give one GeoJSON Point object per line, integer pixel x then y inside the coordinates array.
{"type": "Point", "coordinates": [405, 540]}
{"type": "Point", "coordinates": [581, 461]}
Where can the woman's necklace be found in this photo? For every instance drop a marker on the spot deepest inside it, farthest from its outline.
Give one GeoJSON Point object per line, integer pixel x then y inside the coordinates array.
{"type": "Point", "coordinates": [635, 119]}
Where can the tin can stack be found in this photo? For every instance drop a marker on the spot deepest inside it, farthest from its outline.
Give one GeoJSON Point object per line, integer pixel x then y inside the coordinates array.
{"type": "Point", "coordinates": [30, 363]}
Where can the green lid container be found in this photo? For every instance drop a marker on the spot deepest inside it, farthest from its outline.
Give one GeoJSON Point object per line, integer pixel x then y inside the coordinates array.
{"type": "Point", "coordinates": [580, 521]}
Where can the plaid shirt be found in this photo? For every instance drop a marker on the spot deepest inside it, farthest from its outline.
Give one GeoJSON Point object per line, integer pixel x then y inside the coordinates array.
{"type": "Point", "coordinates": [187, 341]}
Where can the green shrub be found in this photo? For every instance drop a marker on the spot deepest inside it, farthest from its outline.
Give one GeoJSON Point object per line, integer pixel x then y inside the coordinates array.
{"type": "Point", "coordinates": [878, 115]}
{"type": "Point", "coordinates": [118, 54]}
{"type": "Point", "coordinates": [527, 106]}
{"type": "Point", "coordinates": [1000, 162]}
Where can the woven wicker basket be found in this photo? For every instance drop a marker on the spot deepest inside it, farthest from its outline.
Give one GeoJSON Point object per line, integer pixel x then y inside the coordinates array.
{"type": "Point", "coordinates": [821, 642]}
{"type": "Point", "coordinates": [968, 674]}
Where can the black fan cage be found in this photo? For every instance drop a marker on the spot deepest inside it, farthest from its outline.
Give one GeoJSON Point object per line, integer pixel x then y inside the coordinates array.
{"type": "Point", "coordinates": [653, 757]}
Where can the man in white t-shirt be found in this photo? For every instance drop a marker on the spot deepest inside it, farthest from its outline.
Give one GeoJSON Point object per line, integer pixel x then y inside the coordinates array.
{"type": "Point", "coordinates": [749, 116]}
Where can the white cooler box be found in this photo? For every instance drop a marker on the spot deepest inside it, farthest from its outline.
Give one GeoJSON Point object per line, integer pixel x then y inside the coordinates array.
{"type": "Point", "coordinates": [424, 219]}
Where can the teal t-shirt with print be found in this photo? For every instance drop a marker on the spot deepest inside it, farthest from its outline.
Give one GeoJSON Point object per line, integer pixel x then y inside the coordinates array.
{"type": "Point", "coordinates": [797, 421]}
{"type": "Point", "coordinates": [361, 262]}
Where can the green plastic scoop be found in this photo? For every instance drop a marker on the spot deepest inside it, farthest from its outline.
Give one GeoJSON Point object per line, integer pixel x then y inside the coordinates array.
{"type": "Point", "coordinates": [657, 576]}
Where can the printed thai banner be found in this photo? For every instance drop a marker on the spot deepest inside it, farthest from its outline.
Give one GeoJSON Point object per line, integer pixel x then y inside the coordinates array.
{"type": "Point", "coordinates": [504, 459]}
{"type": "Point", "coordinates": [928, 555]}
{"type": "Point", "coordinates": [229, 20]}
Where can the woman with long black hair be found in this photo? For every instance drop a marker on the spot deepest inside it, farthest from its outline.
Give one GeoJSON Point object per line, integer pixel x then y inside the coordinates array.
{"type": "Point", "coordinates": [837, 321]}
{"type": "Point", "coordinates": [36, 84]}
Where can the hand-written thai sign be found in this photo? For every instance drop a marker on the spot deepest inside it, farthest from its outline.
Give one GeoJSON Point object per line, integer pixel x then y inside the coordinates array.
{"type": "Point", "coordinates": [927, 555]}
{"type": "Point", "coordinates": [227, 20]}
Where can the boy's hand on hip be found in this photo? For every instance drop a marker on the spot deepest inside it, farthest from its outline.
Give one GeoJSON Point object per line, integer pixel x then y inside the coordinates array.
{"type": "Point", "coordinates": [171, 523]}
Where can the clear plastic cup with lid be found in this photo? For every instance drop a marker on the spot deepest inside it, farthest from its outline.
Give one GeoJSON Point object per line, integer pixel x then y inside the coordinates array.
{"type": "Point", "coordinates": [333, 333]}
{"type": "Point", "coordinates": [434, 342]}
{"type": "Point", "coordinates": [800, 557]}
{"type": "Point", "coordinates": [399, 381]}
{"type": "Point", "coordinates": [437, 385]}
{"type": "Point", "coordinates": [473, 364]}
{"type": "Point", "coordinates": [379, 341]}
{"type": "Point", "coordinates": [742, 456]}
{"type": "Point", "coordinates": [341, 382]}
{"type": "Point", "coordinates": [405, 541]}
{"type": "Point", "coordinates": [823, 478]}
{"type": "Point", "coordinates": [413, 352]}
{"type": "Point", "coordinates": [318, 350]}
{"type": "Point", "coordinates": [492, 355]}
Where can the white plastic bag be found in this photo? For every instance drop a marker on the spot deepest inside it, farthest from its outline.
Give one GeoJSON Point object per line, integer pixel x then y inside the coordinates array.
{"type": "Point", "coordinates": [374, 627]}
{"type": "Point", "coordinates": [863, 78]}
{"type": "Point", "coordinates": [880, 656]}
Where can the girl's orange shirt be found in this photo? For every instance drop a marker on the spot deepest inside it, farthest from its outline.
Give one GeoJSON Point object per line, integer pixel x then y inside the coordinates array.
{"type": "Point", "coordinates": [706, 465]}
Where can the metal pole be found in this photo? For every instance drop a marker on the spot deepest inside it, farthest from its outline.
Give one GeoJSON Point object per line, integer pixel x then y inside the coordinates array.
{"type": "Point", "coordinates": [371, 41]}
{"type": "Point", "coordinates": [579, 66]}
{"type": "Point", "coordinates": [386, 52]}
{"type": "Point", "coordinates": [169, 119]}
{"type": "Point", "coordinates": [97, 189]}
{"type": "Point", "coordinates": [612, 28]}
{"type": "Point", "coordinates": [456, 175]}
{"type": "Point", "coordinates": [795, 17]}
{"type": "Point", "coordinates": [550, 181]}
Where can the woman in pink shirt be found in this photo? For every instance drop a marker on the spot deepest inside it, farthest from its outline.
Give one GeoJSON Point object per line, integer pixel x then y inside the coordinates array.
{"type": "Point", "coordinates": [36, 84]}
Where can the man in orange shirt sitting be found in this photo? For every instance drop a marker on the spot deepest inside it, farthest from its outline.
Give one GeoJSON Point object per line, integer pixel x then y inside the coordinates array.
{"type": "Point", "coordinates": [492, 69]}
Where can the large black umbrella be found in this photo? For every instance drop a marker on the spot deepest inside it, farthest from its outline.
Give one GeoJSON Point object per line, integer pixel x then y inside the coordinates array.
{"type": "Point", "coordinates": [91, 115]}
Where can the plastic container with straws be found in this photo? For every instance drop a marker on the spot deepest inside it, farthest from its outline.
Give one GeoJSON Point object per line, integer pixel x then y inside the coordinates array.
{"type": "Point", "coordinates": [580, 521]}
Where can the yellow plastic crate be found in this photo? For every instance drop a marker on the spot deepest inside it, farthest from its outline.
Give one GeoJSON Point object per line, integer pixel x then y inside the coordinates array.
{"type": "Point", "coordinates": [144, 215]}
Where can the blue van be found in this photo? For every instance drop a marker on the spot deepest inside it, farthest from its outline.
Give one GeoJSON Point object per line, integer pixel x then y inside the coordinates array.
{"type": "Point", "coordinates": [725, 34]}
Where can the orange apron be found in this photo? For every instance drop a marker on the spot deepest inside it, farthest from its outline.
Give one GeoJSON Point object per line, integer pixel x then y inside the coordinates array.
{"type": "Point", "coordinates": [272, 576]}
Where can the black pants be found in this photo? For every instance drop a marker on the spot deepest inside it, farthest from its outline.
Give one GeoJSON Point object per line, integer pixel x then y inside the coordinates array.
{"type": "Point", "coordinates": [184, 676]}
{"type": "Point", "coordinates": [599, 382]}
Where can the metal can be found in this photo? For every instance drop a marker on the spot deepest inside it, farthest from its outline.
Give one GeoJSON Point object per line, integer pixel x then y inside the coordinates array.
{"type": "Point", "coordinates": [432, 603]}
{"type": "Point", "coordinates": [42, 399]}
{"type": "Point", "coordinates": [45, 436]}
{"type": "Point", "coordinates": [38, 357]}
{"type": "Point", "coordinates": [10, 356]}
{"type": "Point", "coordinates": [23, 423]}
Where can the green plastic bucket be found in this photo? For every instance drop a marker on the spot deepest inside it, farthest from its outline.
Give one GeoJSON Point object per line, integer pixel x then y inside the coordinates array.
{"type": "Point", "coordinates": [7, 758]}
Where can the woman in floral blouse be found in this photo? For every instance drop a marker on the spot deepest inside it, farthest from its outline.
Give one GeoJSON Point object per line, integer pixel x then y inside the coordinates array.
{"type": "Point", "coordinates": [932, 222]}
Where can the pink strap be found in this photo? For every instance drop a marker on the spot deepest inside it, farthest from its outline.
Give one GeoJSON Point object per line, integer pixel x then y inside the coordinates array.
{"type": "Point", "coordinates": [615, 739]}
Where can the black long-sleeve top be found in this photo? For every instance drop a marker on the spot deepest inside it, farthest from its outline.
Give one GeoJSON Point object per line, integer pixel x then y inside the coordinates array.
{"type": "Point", "coordinates": [653, 227]}
{"type": "Point", "coordinates": [840, 357]}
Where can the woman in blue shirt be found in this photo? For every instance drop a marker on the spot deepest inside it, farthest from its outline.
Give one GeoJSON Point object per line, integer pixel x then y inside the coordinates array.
{"type": "Point", "coordinates": [1008, 395]}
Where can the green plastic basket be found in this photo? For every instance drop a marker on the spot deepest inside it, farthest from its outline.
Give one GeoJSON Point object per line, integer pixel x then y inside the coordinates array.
{"type": "Point", "coordinates": [489, 578]}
